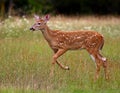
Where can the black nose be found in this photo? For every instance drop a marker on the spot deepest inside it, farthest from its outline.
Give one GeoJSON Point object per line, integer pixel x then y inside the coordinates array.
{"type": "Point", "coordinates": [32, 29]}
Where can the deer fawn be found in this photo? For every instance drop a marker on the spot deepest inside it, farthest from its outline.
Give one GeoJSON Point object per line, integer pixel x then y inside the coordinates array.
{"type": "Point", "coordinates": [60, 42]}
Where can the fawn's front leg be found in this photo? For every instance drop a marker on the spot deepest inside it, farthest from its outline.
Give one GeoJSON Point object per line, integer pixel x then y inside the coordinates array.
{"type": "Point", "coordinates": [57, 54]}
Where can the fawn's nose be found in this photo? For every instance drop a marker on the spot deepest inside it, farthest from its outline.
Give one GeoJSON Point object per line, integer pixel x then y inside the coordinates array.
{"type": "Point", "coordinates": [32, 29]}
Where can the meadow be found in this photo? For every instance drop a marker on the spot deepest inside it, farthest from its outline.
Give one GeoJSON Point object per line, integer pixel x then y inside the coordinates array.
{"type": "Point", "coordinates": [25, 57]}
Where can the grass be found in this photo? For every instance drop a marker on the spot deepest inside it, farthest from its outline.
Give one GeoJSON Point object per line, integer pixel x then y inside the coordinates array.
{"type": "Point", "coordinates": [25, 58]}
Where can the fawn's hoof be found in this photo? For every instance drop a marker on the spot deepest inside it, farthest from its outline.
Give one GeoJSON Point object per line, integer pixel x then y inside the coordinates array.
{"type": "Point", "coordinates": [67, 68]}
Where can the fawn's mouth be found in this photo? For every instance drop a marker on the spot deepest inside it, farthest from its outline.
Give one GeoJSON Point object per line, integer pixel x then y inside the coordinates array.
{"type": "Point", "coordinates": [32, 29]}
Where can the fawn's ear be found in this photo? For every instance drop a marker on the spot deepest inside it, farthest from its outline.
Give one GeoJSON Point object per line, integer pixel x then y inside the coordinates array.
{"type": "Point", "coordinates": [47, 17]}
{"type": "Point", "coordinates": [36, 17]}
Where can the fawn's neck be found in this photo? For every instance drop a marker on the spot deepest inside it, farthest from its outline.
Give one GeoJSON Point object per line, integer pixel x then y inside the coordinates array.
{"type": "Point", "coordinates": [47, 33]}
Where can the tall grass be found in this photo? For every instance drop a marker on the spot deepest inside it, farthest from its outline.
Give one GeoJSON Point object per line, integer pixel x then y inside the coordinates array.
{"type": "Point", "coordinates": [25, 58]}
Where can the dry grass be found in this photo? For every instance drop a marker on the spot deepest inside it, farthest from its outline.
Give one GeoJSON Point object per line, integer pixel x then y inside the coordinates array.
{"type": "Point", "coordinates": [25, 57]}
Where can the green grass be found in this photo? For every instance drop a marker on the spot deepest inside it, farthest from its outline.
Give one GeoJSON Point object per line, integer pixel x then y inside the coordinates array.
{"type": "Point", "coordinates": [25, 58]}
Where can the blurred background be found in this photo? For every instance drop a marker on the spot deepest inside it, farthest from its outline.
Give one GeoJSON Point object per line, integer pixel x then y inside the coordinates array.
{"type": "Point", "coordinates": [67, 7]}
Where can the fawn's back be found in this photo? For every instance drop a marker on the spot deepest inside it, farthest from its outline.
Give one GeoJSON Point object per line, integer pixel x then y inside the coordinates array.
{"type": "Point", "coordinates": [76, 39]}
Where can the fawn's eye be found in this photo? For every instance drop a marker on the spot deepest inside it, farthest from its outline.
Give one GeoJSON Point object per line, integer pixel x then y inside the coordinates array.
{"type": "Point", "coordinates": [39, 23]}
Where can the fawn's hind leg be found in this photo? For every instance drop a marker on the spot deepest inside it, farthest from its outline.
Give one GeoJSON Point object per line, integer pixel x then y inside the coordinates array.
{"type": "Point", "coordinates": [94, 56]}
{"type": "Point", "coordinates": [98, 65]}
{"type": "Point", "coordinates": [100, 61]}
{"type": "Point", "coordinates": [104, 64]}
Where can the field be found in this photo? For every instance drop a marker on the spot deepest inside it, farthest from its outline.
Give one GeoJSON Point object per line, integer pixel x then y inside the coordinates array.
{"type": "Point", "coordinates": [25, 57]}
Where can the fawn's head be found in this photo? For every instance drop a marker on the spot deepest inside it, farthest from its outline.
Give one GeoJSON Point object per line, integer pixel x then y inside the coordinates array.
{"type": "Point", "coordinates": [40, 23]}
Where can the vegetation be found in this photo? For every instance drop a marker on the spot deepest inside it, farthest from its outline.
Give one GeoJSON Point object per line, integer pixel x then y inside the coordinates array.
{"type": "Point", "coordinates": [25, 58]}
{"type": "Point", "coordinates": [87, 6]}
{"type": "Point", "coordinates": [25, 7]}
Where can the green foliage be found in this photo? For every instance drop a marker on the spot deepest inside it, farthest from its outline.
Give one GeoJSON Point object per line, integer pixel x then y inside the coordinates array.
{"type": "Point", "coordinates": [24, 7]}
{"type": "Point", "coordinates": [40, 6]}
{"type": "Point", "coordinates": [34, 6]}
{"type": "Point", "coordinates": [87, 6]}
